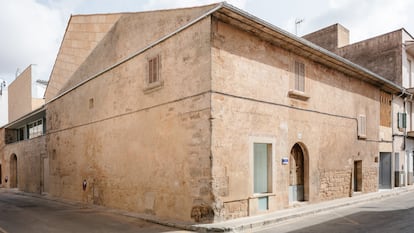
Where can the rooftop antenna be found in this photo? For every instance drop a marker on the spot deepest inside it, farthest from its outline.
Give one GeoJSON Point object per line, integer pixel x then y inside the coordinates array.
{"type": "Point", "coordinates": [2, 85]}
{"type": "Point", "coordinates": [17, 72]}
{"type": "Point", "coordinates": [42, 82]}
{"type": "Point", "coordinates": [297, 22]}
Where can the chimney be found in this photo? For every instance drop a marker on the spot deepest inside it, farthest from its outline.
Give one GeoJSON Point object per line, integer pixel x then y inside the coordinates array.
{"type": "Point", "coordinates": [330, 38]}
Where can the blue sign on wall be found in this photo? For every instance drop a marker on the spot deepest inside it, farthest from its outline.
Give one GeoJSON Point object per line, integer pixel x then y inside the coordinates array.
{"type": "Point", "coordinates": [285, 161]}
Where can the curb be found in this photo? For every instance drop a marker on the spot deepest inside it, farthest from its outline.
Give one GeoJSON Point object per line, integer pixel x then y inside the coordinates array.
{"type": "Point", "coordinates": [319, 208]}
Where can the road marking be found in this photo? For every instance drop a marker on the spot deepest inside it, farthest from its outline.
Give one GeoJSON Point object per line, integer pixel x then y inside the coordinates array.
{"type": "Point", "coordinates": [2, 230]}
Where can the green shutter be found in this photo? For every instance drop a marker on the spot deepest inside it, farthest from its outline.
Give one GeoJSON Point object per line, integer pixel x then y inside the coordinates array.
{"type": "Point", "coordinates": [402, 120]}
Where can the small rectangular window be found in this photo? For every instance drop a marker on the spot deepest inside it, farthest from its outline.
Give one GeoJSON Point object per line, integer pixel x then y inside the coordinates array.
{"type": "Point", "coordinates": [362, 126]}
{"type": "Point", "coordinates": [299, 76]}
{"type": "Point", "coordinates": [153, 70]}
{"type": "Point", "coordinates": [402, 120]}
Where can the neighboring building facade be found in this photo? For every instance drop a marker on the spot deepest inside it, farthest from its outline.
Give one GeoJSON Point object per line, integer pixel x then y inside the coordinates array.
{"type": "Point", "coordinates": [390, 55]}
{"type": "Point", "coordinates": [215, 115]}
{"type": "Point", "coordinates": [24, 145]}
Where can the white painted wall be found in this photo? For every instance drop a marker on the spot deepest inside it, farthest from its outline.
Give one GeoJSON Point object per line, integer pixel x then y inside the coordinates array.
{"type": "Point", "coordinates": [4, 116]}
{"type": "Point", "coordinates": [408, 69]}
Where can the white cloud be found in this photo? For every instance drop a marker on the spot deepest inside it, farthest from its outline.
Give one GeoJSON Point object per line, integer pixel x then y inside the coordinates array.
{"type": "Point", "coordinates": [31, 34]}
{"type": "Point", "coordinates": [32, 30]}
{"type": "Point", "coordinates": [364, 19]}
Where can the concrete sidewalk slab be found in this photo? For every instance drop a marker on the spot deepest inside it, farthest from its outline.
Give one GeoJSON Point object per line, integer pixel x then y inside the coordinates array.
{"type": "Point", "coordinates": [256, 222]}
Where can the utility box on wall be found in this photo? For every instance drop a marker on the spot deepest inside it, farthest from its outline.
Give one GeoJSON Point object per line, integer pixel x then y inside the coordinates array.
{"type": "Point", "coordinates": [410, 178]}
{"type": "Point", "coordinates": [399, 179]}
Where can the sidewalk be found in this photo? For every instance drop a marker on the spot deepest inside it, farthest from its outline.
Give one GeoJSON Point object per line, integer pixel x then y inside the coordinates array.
{"type": "Point", "coordinates": [247, 224]}
{"type": "Point", "coordinates": [256, 222]}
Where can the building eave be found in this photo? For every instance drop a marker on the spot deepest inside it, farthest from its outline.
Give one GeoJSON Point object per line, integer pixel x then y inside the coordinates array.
{"type": "Point", "coordinates": [24, 118]}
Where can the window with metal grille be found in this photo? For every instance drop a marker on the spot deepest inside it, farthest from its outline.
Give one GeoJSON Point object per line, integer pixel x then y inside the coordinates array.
{"type": "Point", "coordinates": [299, 76]}
{"type": "Point", "coordinates": [362, 126]}
{"type": "Point", "coordinates": [153, 70]}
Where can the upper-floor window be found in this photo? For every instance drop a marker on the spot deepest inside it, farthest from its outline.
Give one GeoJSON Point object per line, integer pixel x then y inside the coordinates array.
{"type": "Point", "coordinates": [299, 76]}
{"type": "Point", "coordinates": [154, 69]}
{"type": "Point", "coordinates": [402, 120]}
{"type": "Point", "coordinates": [153, 80]}
{"type": "Point", "coordinates": [35, 129]}
{"type": "Point", "coordinates": [362, 126]}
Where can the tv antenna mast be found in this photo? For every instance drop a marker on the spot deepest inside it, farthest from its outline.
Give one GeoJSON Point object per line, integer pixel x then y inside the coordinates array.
{"type": "Point", "coordinates": [297, 22]}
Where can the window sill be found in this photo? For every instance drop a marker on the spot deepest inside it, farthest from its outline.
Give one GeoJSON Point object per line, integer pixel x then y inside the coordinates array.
{"type": "Point", "coordinates": [298, 95]}
{"type": "Point", "coordinates": [153, 86]}
{"type": "Point", "coordinates": [362, 137]}
{"type": "Point", "coordinates": [257, 195]}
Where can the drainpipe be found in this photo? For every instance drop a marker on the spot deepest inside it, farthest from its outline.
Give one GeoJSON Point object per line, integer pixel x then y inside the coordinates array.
{"type": "Point", "coordinates": [393, 171]}
{"type": "Point", "coordinates": [405, 143]}
{"type": "Point", "coordinates": [392, 144]}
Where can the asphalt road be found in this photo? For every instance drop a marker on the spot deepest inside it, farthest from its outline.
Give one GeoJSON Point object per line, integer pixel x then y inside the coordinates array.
{"type": "Point", "coordinates": [20, 214]}
{"type": "Point", "coordinates": [391, 215]}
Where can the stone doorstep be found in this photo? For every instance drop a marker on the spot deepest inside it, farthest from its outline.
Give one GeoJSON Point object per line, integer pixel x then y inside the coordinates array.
{"type": "Point", "coordinates": [240, 224]}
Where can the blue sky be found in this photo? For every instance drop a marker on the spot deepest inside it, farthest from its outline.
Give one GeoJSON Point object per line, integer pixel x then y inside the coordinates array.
{"type": "Point", "coordinates": [32, 30]}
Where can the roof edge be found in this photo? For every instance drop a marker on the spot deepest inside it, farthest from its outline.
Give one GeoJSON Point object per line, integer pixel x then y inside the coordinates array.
{"type": "Point", "coordinates": [182, 28]}
{"type": "Point", "coordinates": [27, 115]}
{"type": "Point", "coordinates": [309, 44]}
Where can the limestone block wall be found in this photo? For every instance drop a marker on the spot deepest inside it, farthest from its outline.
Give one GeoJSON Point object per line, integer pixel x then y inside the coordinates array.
{"type": "Point", "coordinates": [29, 154]}
{"type": "Point", "coordinates": [131, 33]}
{"type": "Point", "coordinates": [20, 95]}
{"type": "Point", "coordinates": [381, 54]}
{"type": "Point", "coordinates": [139, 149]}
{"type": "Point", "coordinates": [251, 79]}
{"type": "Point", "coordinates": [82, 35]}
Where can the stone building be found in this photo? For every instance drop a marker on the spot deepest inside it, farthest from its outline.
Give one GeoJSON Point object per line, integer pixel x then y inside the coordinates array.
{"type": "Point", "coordinates": [23, 147]}
{"type": "Point", "coordinates": [214, 115]}
{"type": "Point", "coordinates": [390, 55]}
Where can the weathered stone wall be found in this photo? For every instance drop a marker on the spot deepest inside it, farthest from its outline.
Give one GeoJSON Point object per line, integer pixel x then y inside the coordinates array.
{"type": "Point", "coordinates": [29, 154]}
{"type": "Point", "coordinates": [335, 184]}
{"type": "Point", "coordinates": [121, 42]}
{"type": "Point", "coordinates": [141, 150]}
{"type": "Point", "coordinates": [82, 35]}
{"type": "Point", "coordinates": [251, 80]}
{"type": "Point", "coordinates": [381, 54]}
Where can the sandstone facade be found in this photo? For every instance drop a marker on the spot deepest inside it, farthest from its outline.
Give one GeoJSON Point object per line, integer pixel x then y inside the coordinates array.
{"type": "Point", "coordinates": [223, 132]}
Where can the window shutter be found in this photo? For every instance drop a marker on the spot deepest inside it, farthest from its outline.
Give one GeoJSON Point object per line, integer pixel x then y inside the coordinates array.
{"type": "Point", "coordinates": [299, 76]}
{"type": "Point", "coordinates": [153, 69]}
{"type": "Point", "coordinates": [362, 126]}
{"type": "Point", "coordinates": [402, 120]}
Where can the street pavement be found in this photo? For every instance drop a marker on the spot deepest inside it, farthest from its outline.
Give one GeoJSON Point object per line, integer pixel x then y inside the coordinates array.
{"type": "Point", "coordinates": [21, 213]}
{"type": "Point", "coordinates": [380, 212]}
{"type": "Point", "coordinates": [389, 215]}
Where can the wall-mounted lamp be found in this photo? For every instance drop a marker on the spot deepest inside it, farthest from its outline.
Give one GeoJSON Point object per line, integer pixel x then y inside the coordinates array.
{"type": "Point", "coordinates": [84, 184]}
